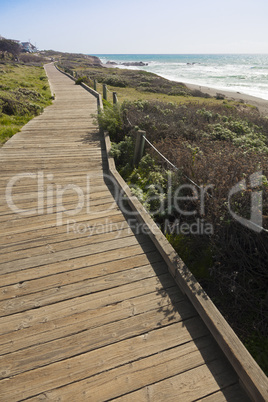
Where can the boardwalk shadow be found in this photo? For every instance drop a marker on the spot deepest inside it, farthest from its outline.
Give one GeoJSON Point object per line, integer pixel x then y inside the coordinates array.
{"type": "Point", "coordinates": [93, 137]}
{"type": "Point", "coordinates": [180, 309]}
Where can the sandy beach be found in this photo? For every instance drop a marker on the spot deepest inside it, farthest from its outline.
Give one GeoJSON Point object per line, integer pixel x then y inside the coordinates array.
{"type": "Point", "coordinates": [261, 104]}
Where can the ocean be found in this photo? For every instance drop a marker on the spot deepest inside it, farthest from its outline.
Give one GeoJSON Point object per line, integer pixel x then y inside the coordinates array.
{"type": "Point", "coordinates": [247, 74]}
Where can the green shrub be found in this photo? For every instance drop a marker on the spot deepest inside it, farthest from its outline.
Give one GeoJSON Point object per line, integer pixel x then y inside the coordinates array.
{"type": "Point", "coordinates": [123, 152]}
{"type": "Point", "coordinates": [115, 81]}
{"type": "Point", "coordinates": [85, 80]}
{"type": "Point", "coordinates": [110, 120]}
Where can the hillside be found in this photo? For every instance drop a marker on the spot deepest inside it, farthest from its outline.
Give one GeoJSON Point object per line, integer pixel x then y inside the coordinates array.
{"type": "Point", "coordinates": [73, 60]}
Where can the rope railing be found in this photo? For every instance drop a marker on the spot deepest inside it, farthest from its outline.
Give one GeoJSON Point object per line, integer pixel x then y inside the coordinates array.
{"type": "Point", "coordinates": [159, 153]}
{"type": "Point", "coordinates": [171, 164]}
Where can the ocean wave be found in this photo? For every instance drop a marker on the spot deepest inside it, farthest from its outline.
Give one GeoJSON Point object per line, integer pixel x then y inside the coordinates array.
{"type": "Point", "coordinates": [240, 73]}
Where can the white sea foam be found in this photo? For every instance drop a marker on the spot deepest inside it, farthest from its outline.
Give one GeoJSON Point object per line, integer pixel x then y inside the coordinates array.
{"type": "Point", "coordinates": [247, 74]}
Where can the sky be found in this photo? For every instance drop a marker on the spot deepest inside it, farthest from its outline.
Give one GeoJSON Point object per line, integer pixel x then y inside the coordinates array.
{"type": "Point", "coordinates": [138, 26]}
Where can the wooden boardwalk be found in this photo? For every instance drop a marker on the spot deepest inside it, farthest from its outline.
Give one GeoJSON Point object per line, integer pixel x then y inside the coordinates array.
{"type": "Point", "coordinates": [88, 308]}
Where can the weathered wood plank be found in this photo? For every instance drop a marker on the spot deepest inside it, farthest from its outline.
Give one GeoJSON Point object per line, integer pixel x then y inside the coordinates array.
{"type": "Point", "coordinates": [66, 244]}
{"type": "Point", "coordinates": [19, 228]}
{"type": "Point", "coordinates": [232, 393]}
{"type": "Point", "coordinates": [96, 315]}
{"type": "Point", "coordinates": [39, 235]}
{"type": "Point", "coordinates": [76, 252]}
{"type": "Point", "coordinates": [114, 256]}
{"type": "Point", "coordinates": [90, 339]}
{"type": "Point", "coordinates": [85, 233]}
{"type": "Point", "coordinates": [19, 303]}
{"type": "Point", "coordinates": [71, 277]}
{"type": "Point", "coordinates": [68, 371]}
{"type": "Point", "coordinates": [137, 374]}
{"type": "Point", "coordinates": [23, 321]}
{"type": "Point", "coordinates": [187, 386]}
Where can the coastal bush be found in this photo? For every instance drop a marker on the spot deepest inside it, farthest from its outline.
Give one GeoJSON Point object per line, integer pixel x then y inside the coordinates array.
{"type": "Point", "coordinates": [200, 94]}
{"type": "Point", "coordinates": [110, 119]}
{"type": "Point", "coordinates": [86, 80]}
{"type": "Point", "coordinates": [115, 81]}
{"type": "Point", "coordinates": [32, 59]}
{"type": "Point", "coordinates": [243, 134]}
{"type": "Point", "coordinates": [177, 92]}
{"type": "Point", "coordinates": [73, 61]}
{"type": "Point", "coordinates": [123, 151]}
{"type": "Point", "coordinates": [220, 96]}
{"type": "Point", "coordinates": [10, 47]}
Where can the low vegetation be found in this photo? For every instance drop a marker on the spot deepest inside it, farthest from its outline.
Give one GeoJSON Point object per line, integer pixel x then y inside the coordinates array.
{"type": "Point", "coordinates": [24, 92]}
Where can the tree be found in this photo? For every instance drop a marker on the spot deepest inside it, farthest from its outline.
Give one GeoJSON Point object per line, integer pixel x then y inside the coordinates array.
{"type": "Point", "coordinates": [10, 46]}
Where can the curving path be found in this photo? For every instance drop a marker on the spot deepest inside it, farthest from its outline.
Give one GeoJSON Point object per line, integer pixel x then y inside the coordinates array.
{"type": "Point", "coordinates": [88, 308]}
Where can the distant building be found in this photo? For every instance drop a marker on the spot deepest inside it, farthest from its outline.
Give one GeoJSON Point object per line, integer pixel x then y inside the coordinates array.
{"type": "Point", "coordinates": [28, 47]}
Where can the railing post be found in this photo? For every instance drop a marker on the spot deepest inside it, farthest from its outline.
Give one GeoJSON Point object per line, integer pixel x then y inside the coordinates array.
{"type": "Point", "coordinates": [115, 100]}
{"type": "Point", "coordinates": [104, 88]}
{"type": "Point", "coordinates": [95, 84]}
{"type": "Point", "coordinates": [99, 103]}
{"type": "Point", "coordinates": [139, 147]}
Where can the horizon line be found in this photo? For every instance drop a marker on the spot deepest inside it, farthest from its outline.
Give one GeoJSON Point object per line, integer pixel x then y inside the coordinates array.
{"type": "Point", "coordinates": [176, 54]}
